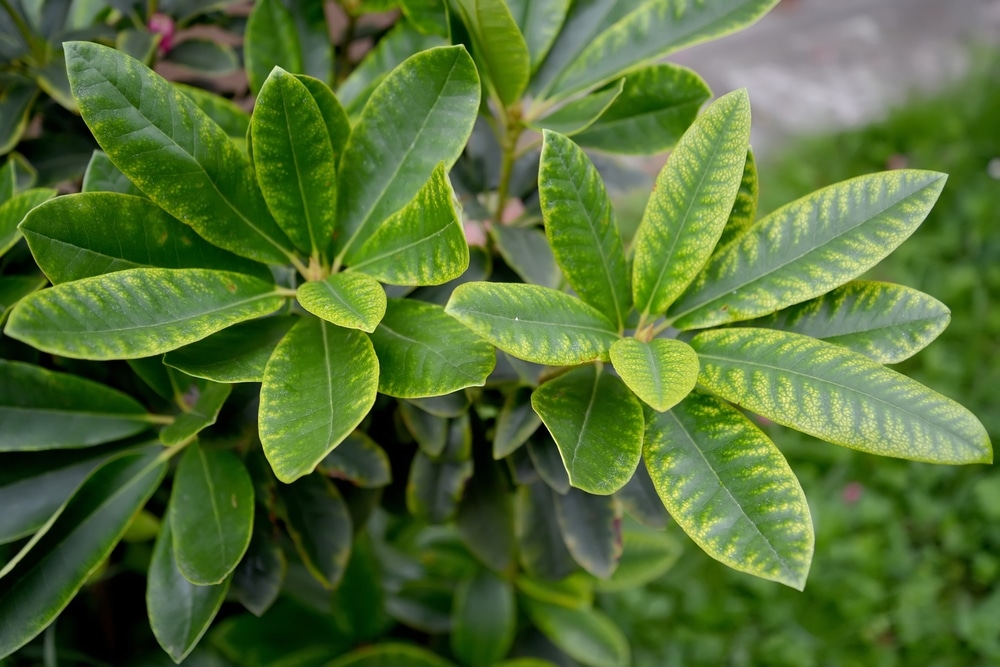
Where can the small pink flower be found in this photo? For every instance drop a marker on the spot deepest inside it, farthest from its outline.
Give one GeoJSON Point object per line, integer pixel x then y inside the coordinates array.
{"type": "Point", "coordinates": [852, 493]}
{"type": "Point", "coordinates": [163, 25]}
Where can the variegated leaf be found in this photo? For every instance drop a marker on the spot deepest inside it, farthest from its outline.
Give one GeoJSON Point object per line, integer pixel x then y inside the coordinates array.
{"type": "Point", "coordinates": [660, 372]}
{"type": "Point", "coordinates": [349, 300]}
{"type": "Point", "coordinates": [745, 208]}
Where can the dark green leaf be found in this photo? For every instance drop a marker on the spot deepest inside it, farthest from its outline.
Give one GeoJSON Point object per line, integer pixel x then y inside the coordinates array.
{"type": "Point", "coordinates": [639, 499]}
{"type": "Point", "coordinates": [349, 300]}
{"type": "Point", "coordinates": [257, 579]}
{"type": "Point", "coordinates": [271, 40]}
{"type": "Point", "coordinates": [499, 46]}
{"type": "Point", "coordinates": [541, 548]}
{"type": "Point", "coordinates": [485, 519]}
{"type": "Point", "coordinates": [434, 488]}
{"type": "Point", "coordinates": [320, 526]}
{"type": "Point", "coordinates": [428, 16]}
{"type": "Point", "coordinates": [236, 354]}
{"type": "Point", "coordinates": [575, 591]}
{"type": "Point", "coordinates": [580, 114]}
{"type": "Point", "coordinates": [586, 635]}
{"type": "Point", "coordinates": [233, 120]}
{"type": "Point", "coordinates": [338, 125]}
{"type": "Point", "coordinates": [545, 456]}
{"type": "Point", "coordinates": [526, 251]}
{"type": "Point", "coordinates": [15, 108]}
{"type": "Point", "coordinates": [103, 176]}
{"type": "Point", "coordinates": [359, 460]}
{"type": "Point", "coordinates": [15, 288]}
{"type": "Point", "coordinates": [429, 430]}
{"type": "Point", "coordinates": [13, 211]}
{"type": "Point", "coordinates": [646, 556]}
{"type": "Point", "coordinates": [539, 23]}
{"type": "Point", "coordinates": [484, 620]}
{"type": "Point", "coordinates": [591, 528]}
{"type": "Point", "coordinates": [515, 423]}
{"type": "Point", "coordinates": [204, 57]}
{"type": "Point", "coordinates": [391, 655]}
{"type": "Point", "coordinates": [744, 211]}
{"type": "Point", "coordinates": [660, 372]}
{"type": "Point", "coordinates": [201, 401]}
{"type": "Point", "coordinates": [16, 175]}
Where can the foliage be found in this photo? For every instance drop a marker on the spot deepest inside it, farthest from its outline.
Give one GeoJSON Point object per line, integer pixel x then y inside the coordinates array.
{"type": "Point", "coordinates": [305, 325]}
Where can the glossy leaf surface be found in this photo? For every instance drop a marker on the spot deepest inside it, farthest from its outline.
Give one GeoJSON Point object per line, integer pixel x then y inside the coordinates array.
{"type": "Point", "coordinates": [236, 354]}
{"type": "Point", "coordinates": [597, 423]}
{"type": "Point", "coordinates": [349, 300]}
{"type": "Point", "coordinates": [591, 528]}
{"type": "Point", "coordinates": [660, 372]}
{"type": "Point", "coordinates": [484, 620]}
{"type": "Point", "coordinates": [838, 395]}
{"type": "Point", "coordinates": [319, 384]}
{"type": "Point", "coordinates": [320, 526]}
{"type": "Point", "coordinates": [586, 635]}
{"type": "Point", "coordinates": [499, 45]}
{"type": "Point", "coordinates": [138, 312]}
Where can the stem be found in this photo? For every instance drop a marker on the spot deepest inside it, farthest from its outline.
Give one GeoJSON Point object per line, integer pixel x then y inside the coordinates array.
{"type": "Point", "coordinates": [284, 291]}
{"type": "Point", "coordinates": [661, 327]}
{"type": "Point", "coordinates": [299, 266]}
{"type": "Point", "coordinates": [508, 146]}
{"type": "Point", "coordinates": [164, 420]}
{"type": "Point", "coordinates": [171, 452]}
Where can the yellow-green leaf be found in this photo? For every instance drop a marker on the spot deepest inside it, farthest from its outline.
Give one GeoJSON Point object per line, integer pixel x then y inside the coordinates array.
{"type": "Point", "coordinates": [349, 300]}
{"type": "Point", "coordinates": [745, 208]}
{"type": "Point", "coordinates": [580, 114]}
{"type": "Point", "coordinates": [499, 46]}
{"type": "Point", "coordinates": [660, 372]}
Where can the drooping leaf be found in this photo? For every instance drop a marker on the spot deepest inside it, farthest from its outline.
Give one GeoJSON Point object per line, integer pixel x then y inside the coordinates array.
{"type": "Point", "coordinates": [211, 514]}
{"type": "Point", "coordinates": [391, 654]}
{"type": "Point", "coordinates": [499, 46]}
{"type": "Point", "coordinates": [236, 354]}
{"type": "Point", "coordinates": [690, 204]}
{"type": "Point", "coordinates": [257, 580]}
{"type": "Point", "coordinates": [423, 352]}
{"type": "Point", "coordinates": [485, 519]}
{"type": "Point", "coordinates": [44, 581]}
{"type": "Point", "coordinates": [394, 148]}
{"type": "Point", "coordinates": [201, 401]}
{"type": "Point", "coordinates": [541, 549]}
{"type": "Point", "coordinates": [646, 556]}
{"type": "Point", "coordinates": [349, 300]}
{"type": "Point", "coordinates": [90, 234]}
{"type": "Point", "coordinates": [13, 211]}
{"type": "Point", "coordinates": [539, 23]}
{"type": "Point", "coordinates": [420, 244]}
{"type": "Point", "coordinates": [338, 125]}
{"type": "Point", "coordinates": [597, 423]}
{"type": "Point", "coordinates": [526, 251]}
{"type": "Point", "coordinates": [744, 211]}
{"type": "Point", "coordinates": [515, 423]}
{"type": "Point", "coordinates": [295, 163]}
{"type": "Point", "coordinates": [233, 120]}
{"type": "Point", "coordinates": [885, 322]}
{"type": "Point", "coordinates": [581, 228]}
{"type": "Point", "coordinates": [103, 176]}
{"type": "Point", "coordinates": [547, 460]}
{"type": "Point", "coordinates": [591, 528]}
{"type": "Point", "coordinates": [730, 489]}
{"type": "Point", "coordinates": [179, 612]}
{"type": "Point", "coordinates": [271, 40]}
{"type": "Point", "coordinates": [319, 384]}
{"type": "Point", "coordinates": [838, 395]}
{"type": "Point", "coordinates": [656, 105]}
{"type": "Point", "coordinates": [586, 635]}
{"type": "Point", "coordinates": [434, 487]}
{"type": "Point", "coordinates": [533, 323]}
{"type": "Point", "coordinates": [484, 620]}
{"type": "Point", "coordinates": [320, 526]}
{"type": "Point", "coordinates": [174, 153]}
{"type": "Point", "coordinates": [640, 501]}
{"type": "Point", "coordinates": [359, 460]}
{"type": "Point", "coordinates": [660, 372]}
{"type": "Point", "coordinates": [138, 312]}
{"type": "Point", "coordinates": [578, 115]}
{"type": "Point", "coordinates": [808, 247]}
{"type": "Point", "coordinates": [41, 409]}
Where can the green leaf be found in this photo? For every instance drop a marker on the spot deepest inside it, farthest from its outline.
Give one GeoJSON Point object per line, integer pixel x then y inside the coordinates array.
{"type": "Point", "coordinates": [83, 235]}
{"type": "Point", "coordinates": [541, 549]}
{"type": "Point", "coordinates": [233, 120]}
{"type": "Point", "coordinates": [13, 211]}
{"type": "Point", "coordinates": [138, 312]}
{"type": "Point", "coordinates": [359, 460]}
{"type": "Point", "coordinates": [547, 461]}
{"type": "Point", "coordinates": [744, 211]}
{"type": "Point", "coordinates": [271, 40]}
{"type": "Point", "coordinates": [484, 620]}
{"type": "Point", "coordinates": [211, 514]}
{"type": "Point", "coordinates": [533, 323]}
{"type": "Point", "coordinates": [515, 423]}
{"type": "Point", "coordinates": [15, 108]}
{"type": "Point", "coordinates": [428, 16]}
{"type": "Point", "coordinates": [179, 612]}
{"type": "Point", "coordinates": [838, 395]}
{"type": "Point", "coordinates": [394, 148]}
{"type": "Point", "coordinates": [640, 500]}
{"type": "Point", "coordinates": [809, 247]}
{"type": "Point", "coordinates": [650, 31]}
{"type": "Point", "coordinates": [204, 57]}
{"type": "Point", "coordinates": [173, 152]}
{"type": "Point", "coordinates": [580, 114]}
{"type": "Point", "coordinates": [434, 487]}
{"type": "Point", "coordinates": [430, 431]}
{"type": "Point", "coordinates": [657, 104]}
{"type": "Point", "coordinates": [690, 204]}
{"type": "Point", "coordinates": [390, 654]}
{"type": "Point", "coordinates": [591, 528]}
{"type": "Point", "coordinates": [16, 175]}
{"type": "Point", "coordinates": [597, 423]}
{"type": "Point", "coordinates": [586, 635]}
{"type": "Point", "coordinates": [349, 300]}
{"type": "Point", "coordinates": [539, 23]}
{"type": "Point", "coordinates": [660, 372]}
{"type": "Point", "coordinates": [294, 162]}
{"type": "Point", "coordinates": [320, 526]}
{"type": "Point", "coordinates": [526, 251]}
{"type": "Point", "coordinates": [423, 352]}
{"type": "Point", "coordinates": [581, 228]}
{"type": "Point", "coordinates": [42, 583]}
{"type": "Point", "coordinates": [887, 323]}
{"type": "Point", "coordinates": [318, 385]}
{"type": "Point", "coordinates": [421, 244]}
{"type": "Point", "coordinates": [499, 45]}
{"type": "Point", "coordinates": [338, 125]}
{"type": "Point", "coordinates": [15, 288]}
{"type": "Point", "coordinates": [646, 556]}
{"type": "Point", "coordinates": [726, 484]}
{"type": "Point", "coordinates": [236, 354]}
{"type": "Point", "coordinates": [201, 402]}
{"type": "Point", "coordinates": [41, 409]}
{"type": "Point", "coordinates": [257, 580]}
{"type": "Point", "coordinates": [575, 591]}
{"type": "Point", "coordinates": [485, 519]}
{"type": "Point", "coordinates": [103, 176]}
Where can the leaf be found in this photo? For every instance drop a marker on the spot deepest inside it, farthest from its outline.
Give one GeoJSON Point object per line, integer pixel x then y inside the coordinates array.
{"type": "Point", "coordinates": [15, 109]}
{"type": "Point", "coordinates": [205, 57]}
{"type": "Point", "coordinates": [656, 105]}
{"type": "Point", "coordinates": [809, 247]}
{"type": "Point", "coordinates": [338, 125]}
{"type": "Point", "coordinates": [41, 409]}
{"type": "Point", "coordinates": [726, 484]}
{"type": "Point", "coordinates": [484, 620]}
{"type": "Point", "coordinates": [271, 40]}
{"type": "Point", "coordinates": [744, 211]}
{"type": "Point", "coordinates": [640, 501]}
{"type": "Point", "coordinates": [421, 244]}
{"type": "Point", "coordinates": [515, 423]}
{"type": "Point", "coordinates": [103, 176]}
{"type": "Point", "coordinates": [838, 395]}
{"type": "Point", "coordinates": [434, 488]}
{"type": "Point", "coordinates": [533, 323]}
{"type": "Point", "coordinates": [44, 581]}
{"type": "Point", "coordinates": [16, 175]}
{"type": "Point", "coordinates": [233, 120]}
{"type": "Point", "coordinates": [394, 148]}
{"type": "Point", "coordinates": [318, 385]}
{"type": "Point", "coordinates": [597, 423]}
{"type": "Point", "coordinates": [541, 549]}
{"type": "Point", "coordinates": [15, 288]}
{"type": "Point", "coordinates": [202, 401]}
{"type": "Point", "coordinates": [359, 460]}
{"type": "Point", "coordinates": [539, 23]}
{"type": "Point", "coordinates": [257, 580]}
{"type": "Point", "coordinates": [349, 300]}
{"type": "Point", "coordinates": [660, 372]}
{"type": "Point", "coordinates": [887, 323]}
{"type": "Point", "coordinates": [138, 312]}
{"type": "Point", "coordinates": [575, 591]}
{"type": "Point", "coordinates": [166, 145]}
{"type": "Point", "coordinates": [320, 526]}
{"type": "Point", "coordinates": [424, 605]}
{"type": "Point", "coordinates": [581, 228]}
{"type": "Point", "coordinates": [179, 612]}
{"type": "Point", "coordinates": [649, 32]}
{"type": "Point", "coordinates": [83, 235]}
{"type": "Point", "coordinates": [428, 16]}
{"type": "Point", "coordinates": [423, 352]}
{"type": "Point", "coordinates": [690, 204]}
{"type": "Point", "coordinates": [295, 163]}
{"type": "Point", "coordinates": [586, 635]}
{"type": "Point", "coordinates": [485, 519]}
{"type": "Point", "coordinates": [13, 211]}
{"type": "Point", "coordinates": [499, 46]}
{"type": "Point", "coordinates": [526, 251]}
{"type": "Point", "coordinates": [211, 514]}
{"type": "Point", "coordinates": [580, 114]}
{"type": "Point", "coordinates": [591, 528]}
{"type": "Point", "coordinates": [547, 460]}
{"type": "Point", "coordinates": [430, 431]}
{"type": "Point", "coordinates": [646, 556]}
{"type": "Point", "coordinates": [390, 654]}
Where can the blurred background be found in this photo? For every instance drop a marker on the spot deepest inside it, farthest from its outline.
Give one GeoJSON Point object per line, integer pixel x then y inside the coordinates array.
{"type": "Point", "coordinates": [907, 564]}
